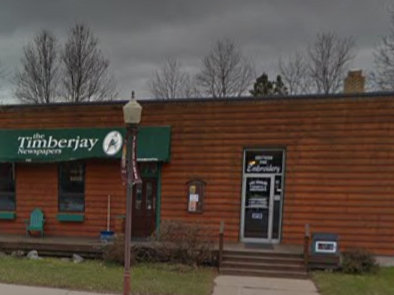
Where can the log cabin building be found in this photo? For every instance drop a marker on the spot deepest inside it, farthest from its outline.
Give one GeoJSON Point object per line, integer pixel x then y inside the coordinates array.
{"type": "Point", "coordinates": [264, 166]}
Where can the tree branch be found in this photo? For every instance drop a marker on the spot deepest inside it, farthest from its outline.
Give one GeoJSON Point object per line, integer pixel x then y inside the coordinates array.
{"type": "Point", "coordinates": [37, 80]}
{"type": "Point", "coordinates": [225, 72]}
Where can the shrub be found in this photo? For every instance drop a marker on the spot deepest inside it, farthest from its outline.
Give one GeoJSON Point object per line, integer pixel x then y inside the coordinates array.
{"type": "Point", "coordinates": [186, 243]}
{"type": "Point", "coordinates": [114, 252]}
{"type": "Point", "coordinates": [175, 242]}
{"type": "Point", "coordinates": [358, 261]}
{"type": "Point", "coordinates": [139, 252]}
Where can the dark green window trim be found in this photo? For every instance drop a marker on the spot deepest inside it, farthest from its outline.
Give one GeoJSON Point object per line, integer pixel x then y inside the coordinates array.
{"type": "Point", "coordinates": [7, 215]}
{"type": "Point", "coordinates": [71, 217]}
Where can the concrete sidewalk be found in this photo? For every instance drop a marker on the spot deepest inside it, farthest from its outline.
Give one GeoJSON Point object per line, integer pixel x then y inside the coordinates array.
{"type": "Point", "coordinates": [224, 285]}
{"type": "Point", "coordinates": [24, 290]}
{"type": "Point", "coordinates": [232, 285]}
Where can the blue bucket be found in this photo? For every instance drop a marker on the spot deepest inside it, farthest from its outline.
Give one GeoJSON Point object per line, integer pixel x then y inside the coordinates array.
{"type": "Point", "coordinates": [106, 235]}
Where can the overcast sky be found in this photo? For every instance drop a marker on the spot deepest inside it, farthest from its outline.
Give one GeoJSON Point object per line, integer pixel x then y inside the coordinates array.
{"type": "Point", "coordinates": [138, 35]}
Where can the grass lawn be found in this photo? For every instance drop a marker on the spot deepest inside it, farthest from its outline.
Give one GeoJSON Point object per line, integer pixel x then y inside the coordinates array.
{"type": "Point", "coordinates": [100, 277]}
{"type": "Point", "coordinates": [341, 284]}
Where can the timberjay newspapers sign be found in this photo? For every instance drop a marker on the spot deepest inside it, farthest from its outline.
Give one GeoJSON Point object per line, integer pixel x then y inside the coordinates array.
{"type": "Point", "coordinates": [52, 145]}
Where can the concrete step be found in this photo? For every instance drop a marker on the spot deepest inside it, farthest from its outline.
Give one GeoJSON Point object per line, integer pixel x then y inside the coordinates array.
{"type": "Point", "coordinates": [263, 259]}
{"type": "Point", "coordinates": [53, 249]}
{"type": "Point", "coordinates": [255, 253]}
{"type": "Point", "coordinates": [264, 266]}
{"type": "Point", "coordinates": [264, 273]}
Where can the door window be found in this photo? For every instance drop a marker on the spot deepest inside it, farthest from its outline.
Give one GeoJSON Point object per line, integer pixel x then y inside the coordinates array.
{"type": "Point", "coordinates": [144, 217]}
{"type": "Point", "coordinates": [138, 197]}
{"type": "Point", "coordinates": [258, 199]}
{"type": "Point", "coordinates": [149, 196]}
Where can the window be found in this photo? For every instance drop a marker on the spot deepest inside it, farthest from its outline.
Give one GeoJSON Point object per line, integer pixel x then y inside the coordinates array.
{"type": "Point", "coordinates": [72, 187]}
{"type": "Point", "coordinates": [149, 196]}
{"type": "Point", "coordinates": [138, 200]}
{"type": "Point", "coordinates": [148, 169]}
{"type": "Point", "coordinates": [7, 187]}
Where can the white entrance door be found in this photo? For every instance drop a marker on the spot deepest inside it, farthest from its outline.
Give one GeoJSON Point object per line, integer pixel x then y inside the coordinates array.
{"type": "Point", "coordinates": [257, 208]}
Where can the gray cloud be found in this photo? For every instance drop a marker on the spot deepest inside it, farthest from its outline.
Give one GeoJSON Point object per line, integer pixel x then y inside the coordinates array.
{"type": "Point", "coordinates": [138, 35]}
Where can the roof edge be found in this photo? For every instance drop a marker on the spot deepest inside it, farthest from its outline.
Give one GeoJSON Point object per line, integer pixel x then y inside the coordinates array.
{"type": "Point", "coordinates": [207, 99]}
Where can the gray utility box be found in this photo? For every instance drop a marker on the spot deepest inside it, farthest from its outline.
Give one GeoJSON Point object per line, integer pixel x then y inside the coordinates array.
{"type": "Point", "coordinates": [325, 244]}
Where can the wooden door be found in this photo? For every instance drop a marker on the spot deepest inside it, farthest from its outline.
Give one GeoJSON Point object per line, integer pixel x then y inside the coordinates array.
{"type": "Point", "coordinates": [144, 208]}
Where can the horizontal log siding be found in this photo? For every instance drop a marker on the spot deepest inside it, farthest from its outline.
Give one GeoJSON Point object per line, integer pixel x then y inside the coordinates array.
{"type": "Point", "coordinates": [37, 184]}
{"type": "Point", "coordinates": [37, 187]}
{"type": "Point", "coordinates": [339, 162]}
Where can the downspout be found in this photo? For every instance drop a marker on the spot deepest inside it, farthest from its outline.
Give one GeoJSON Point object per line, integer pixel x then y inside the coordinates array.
{"type": "Point", "coordinates": [158, 199]}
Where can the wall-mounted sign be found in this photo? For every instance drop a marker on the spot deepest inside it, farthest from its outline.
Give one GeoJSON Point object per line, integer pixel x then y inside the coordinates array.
{"type": "Point", "coordinates": [192, 206]}
{"type": "Point", "coordinates": [326, 247]}
{"type": "Point", "coordinates": [263, 162]}
{"type": "Point", "coordinates": [112, 143]}
{"type": "Point", "coordinates": [195, 196]}
{"type": "Point", "coordinates": [325, 243]}
{"type": "Point", "coordinates": [45, 143]}
{"type": "Point", "coordinates": [57, 145]}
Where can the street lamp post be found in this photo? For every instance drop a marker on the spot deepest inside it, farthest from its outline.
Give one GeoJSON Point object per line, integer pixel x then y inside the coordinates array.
{"type": "Point", "coordinates": [132, 117]}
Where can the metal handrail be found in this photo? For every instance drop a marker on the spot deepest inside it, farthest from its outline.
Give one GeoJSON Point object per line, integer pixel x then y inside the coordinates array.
{"type": "Point", "coordinates": [306, 245]}
{"type": "Point", "coordinates": [221, 241]}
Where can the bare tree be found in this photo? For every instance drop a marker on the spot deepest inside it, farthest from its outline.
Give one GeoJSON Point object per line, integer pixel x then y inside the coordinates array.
{"type": "Point", "coordinates": [2, 71]}
{"type": "Point", "coordinates": [172, 81]}
{"type": "Point", "coordinates": [383, 75]}
{"type": "Point", "coordinates": [323, 66]}
{"type": "Point", "coordinates": [225, 71]}
{"type": "Point", "coordinates": [191, 89]}
{"type": "Point", "coordinates": [37, 80]}
{"type": "Point", "coordinates": [86, 74]}
{"type": "Point", "coordinates": [3, 74]}
{"type": "Point", "coordinates": [294, 72]}
{"type": "Point", "coordinates": [329, 58]}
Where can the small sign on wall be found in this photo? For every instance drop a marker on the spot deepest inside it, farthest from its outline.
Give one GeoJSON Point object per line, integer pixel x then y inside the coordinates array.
{"type": "Point", "coordinates": [193, 199]}
{"type": "Point", "coordinates": [326, 247]}
{"type": "Point", "coordinates": [325, 244]}
{"type": "Point", "coordinates": [195, 196]}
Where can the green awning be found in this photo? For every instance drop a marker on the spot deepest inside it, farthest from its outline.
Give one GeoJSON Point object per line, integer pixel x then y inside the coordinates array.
{"type": "Point", "coordinates": [154, 144]}
{"type": "Point", "coordinates": [56, 145]}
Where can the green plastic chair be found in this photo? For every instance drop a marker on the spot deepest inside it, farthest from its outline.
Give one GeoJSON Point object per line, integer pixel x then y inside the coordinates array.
{"type": "Point", "coordinates": [36, 222]}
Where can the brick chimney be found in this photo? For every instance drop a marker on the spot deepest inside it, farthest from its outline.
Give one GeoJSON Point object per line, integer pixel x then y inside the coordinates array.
{"type": "Point", "coordinates": [354, 82]}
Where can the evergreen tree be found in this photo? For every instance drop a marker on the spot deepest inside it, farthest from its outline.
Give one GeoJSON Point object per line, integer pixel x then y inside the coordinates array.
{"type": "Point", "coordinates": [263, 86]}
{"type": "Point", "coordinates": [280, 87]}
